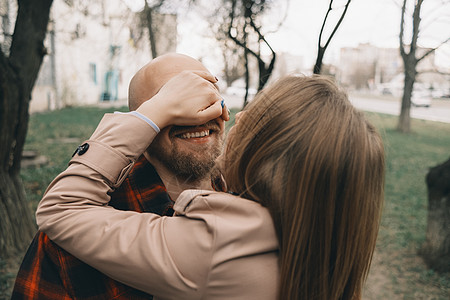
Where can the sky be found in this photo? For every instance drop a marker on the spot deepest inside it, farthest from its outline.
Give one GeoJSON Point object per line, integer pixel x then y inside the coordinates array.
{"type": "Point", "coordinates": [367, 21]}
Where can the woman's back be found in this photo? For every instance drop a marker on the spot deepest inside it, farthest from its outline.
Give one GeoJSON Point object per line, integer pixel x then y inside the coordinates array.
{"type": "Point", "coordinates": [303, 151]}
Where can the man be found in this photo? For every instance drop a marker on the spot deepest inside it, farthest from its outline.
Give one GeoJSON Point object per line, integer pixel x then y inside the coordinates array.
{"type": "Point", "coordinates": [180, 157]}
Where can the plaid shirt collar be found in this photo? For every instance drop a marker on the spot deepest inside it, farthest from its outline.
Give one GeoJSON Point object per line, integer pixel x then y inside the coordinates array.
{"type": "Point", "coordinates": [49, 272]}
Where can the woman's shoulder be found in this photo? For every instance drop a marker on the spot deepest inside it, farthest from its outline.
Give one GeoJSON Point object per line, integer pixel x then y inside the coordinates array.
{"type": "Point", "coordinates": [230, 217]}
{"type": "Point", "coordinates": [203, 200]}
{"type": "Point", "coordinates": [244, 261]}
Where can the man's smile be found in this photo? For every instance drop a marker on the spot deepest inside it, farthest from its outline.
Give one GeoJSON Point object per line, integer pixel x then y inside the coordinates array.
{"type": "Point", "coordinates": [199, 135]}
{"type": "Point", "coordinates": [196, 134]}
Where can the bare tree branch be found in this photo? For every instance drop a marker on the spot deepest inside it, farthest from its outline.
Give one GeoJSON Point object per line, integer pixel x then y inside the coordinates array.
{"type": "Point", "coordinates": [337, 24]}
{"type": "Point", "coordinates": [432, 50]}
{"type": "Point", "coordinates": [282, 19]}
{"type": "Point", "coordinates": [242, 44]}
{"type": "Point", "coordinates": [234, 38]}
{"type": "Point", "coordinates": [238, 42]}
{"type": "Point", "coordinates": [435, 71]}
{"type": "Point", "coordinates": [402, 30]}
{"type": "Point", "coordinates": [321, 49]}
{"type": "Point", "coordinates": [148, 13]}
{"type": "Point", "coordinates": [248, 22]}
{"type": "Point", "coordinates": [330, 8]}
{"type": "Point", "coordinates": [262, 65]}
{"type": "Point", "coordinates": [260, 36]}
{"type": "Point", "coordinates": [416, 24]}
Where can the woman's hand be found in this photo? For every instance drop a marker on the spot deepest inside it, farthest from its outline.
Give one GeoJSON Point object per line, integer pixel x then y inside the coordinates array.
{"type": "Point", "coordinates": [189, 98]}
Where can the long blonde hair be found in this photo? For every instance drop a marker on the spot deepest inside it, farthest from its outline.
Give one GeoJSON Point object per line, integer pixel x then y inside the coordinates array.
{"type": "Point", "coordinates": [303, 151]}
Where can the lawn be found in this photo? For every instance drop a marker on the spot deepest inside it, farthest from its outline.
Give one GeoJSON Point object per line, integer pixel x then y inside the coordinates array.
{"type": "Point", "coordinates": [397, 271]}
{"type": "Point", "coordinates": [56, 135]}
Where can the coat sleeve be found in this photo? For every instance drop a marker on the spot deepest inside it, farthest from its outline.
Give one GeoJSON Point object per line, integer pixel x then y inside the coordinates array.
{"type": "Point", "coordinates": [134, 248]}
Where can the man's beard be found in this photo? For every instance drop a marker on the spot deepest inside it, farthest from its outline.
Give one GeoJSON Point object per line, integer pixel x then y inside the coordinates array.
{"type": "Point", "coordinates": [189, 166]}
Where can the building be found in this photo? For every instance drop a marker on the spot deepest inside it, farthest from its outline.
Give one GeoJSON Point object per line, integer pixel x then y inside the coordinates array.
{"type": "Point", "coordinates": [370, 67]}
{"type": "Point", "coordinates": [366, 65]}
{"type": "Point", "coordinates": [94, 48]}
{"type": "Point", "coordinates": [286, 64]}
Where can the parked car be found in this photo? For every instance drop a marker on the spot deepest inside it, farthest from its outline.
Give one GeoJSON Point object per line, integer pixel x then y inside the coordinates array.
{"type": "Point", "coordinates": [422, 99]}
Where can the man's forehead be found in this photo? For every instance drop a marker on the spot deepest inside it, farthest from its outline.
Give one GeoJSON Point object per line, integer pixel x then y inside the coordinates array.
{"type": "Point", "coordinates": [166, 76]}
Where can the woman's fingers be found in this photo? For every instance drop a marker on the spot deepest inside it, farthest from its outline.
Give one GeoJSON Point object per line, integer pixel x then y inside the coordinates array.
{"type": "Point", "coordinates": [189, 98]}
{"type": "Point", "coordinates": [212, 112]}
{"type": "Point", "coordinates": [206, 75]}
{"type": "Point", "coordinates": [225, 112]}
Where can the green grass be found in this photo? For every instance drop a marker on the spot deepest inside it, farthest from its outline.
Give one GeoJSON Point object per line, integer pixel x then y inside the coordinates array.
{"type": "Point", "coordinates": [403, 275]}
{"type": "Point", "coordinates": [408, 159]}
{"type": "Point", "coordinates": [56, 135]}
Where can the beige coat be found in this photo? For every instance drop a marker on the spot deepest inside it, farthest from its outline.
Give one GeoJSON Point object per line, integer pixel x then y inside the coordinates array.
{"type": "Point", "coordinates": [217, 246]}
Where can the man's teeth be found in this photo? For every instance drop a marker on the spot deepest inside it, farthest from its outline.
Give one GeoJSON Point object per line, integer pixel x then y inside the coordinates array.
{"type": "Point", "coordinates": [198, 134]}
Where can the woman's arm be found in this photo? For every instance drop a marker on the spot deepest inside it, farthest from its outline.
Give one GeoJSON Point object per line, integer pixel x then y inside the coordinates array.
{"type": "Point", "coordinates": [130, 247]}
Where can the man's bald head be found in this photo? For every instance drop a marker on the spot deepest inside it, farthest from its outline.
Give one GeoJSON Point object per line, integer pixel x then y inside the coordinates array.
{"type": "Point", "coordinates": [150, 78]}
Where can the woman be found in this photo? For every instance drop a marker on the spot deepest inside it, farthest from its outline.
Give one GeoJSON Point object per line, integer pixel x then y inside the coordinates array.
{"type": "Point", "coordinates": [305, 174]}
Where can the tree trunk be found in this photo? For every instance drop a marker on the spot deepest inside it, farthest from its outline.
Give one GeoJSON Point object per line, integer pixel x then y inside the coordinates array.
{"type": "Point", "coordinates": [404, 121]}
{"type": "Point", "coordinates": [16, 223]}
{"type": "Point", "coordinates": [265, 72]}
{"type": "Point", "coordinates": [150, 26]}
{"type": "Point", "coordinates": [18, 74]}
{"type": "Point", "coordinates": [436, 250]}
{"type": "Point", "coordinates": [318, 65]}
{"type": "Point", "coordinates": [247, 78]}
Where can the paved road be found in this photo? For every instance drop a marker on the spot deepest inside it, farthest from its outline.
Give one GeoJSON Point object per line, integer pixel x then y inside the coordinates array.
{"type": "Point", "coordinates": [439, 110]}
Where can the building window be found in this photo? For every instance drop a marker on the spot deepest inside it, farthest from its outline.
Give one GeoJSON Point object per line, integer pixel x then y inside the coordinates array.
{"type": "Point", "coordinates": [93, 72]}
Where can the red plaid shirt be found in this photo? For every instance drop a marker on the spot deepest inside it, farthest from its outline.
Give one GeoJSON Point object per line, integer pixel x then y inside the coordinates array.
{"type": "Point", "coordinates": [49, 272]}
